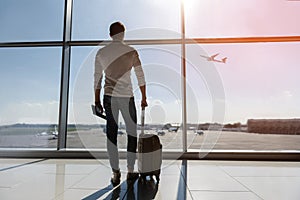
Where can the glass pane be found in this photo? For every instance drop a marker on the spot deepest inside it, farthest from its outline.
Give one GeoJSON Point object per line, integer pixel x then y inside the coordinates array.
{"type": "Point", "coordinates": [29, 103]}
{"type": "Point", "coordinates": [260, 82]}
{"type": "Point", "coordinates": [163, 75]}
{"type": "Point", "coordinates": [161, 66]}
{"type": "Point", "coordinates": [205, 99]}
{"type": "Point", "coordinates": [142, 19]}
{"type": "Point", "coordinates": [247, 18]}
{"type": "Point", "coordinates": [81, 122]}
{"type": "Point", "coordinates": [31, 20]}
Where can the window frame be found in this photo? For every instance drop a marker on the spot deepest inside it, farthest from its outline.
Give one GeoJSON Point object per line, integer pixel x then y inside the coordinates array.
{"type": "Point", "coordinates": [66, 44]}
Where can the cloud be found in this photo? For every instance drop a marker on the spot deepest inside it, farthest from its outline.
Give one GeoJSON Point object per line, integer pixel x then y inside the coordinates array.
{"type": "Point", "coordinates": [31, 112]}
{"type": "Point", "coordinates": [288, 94]}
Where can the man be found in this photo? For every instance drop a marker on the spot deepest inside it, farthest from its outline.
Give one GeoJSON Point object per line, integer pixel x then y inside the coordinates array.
{"type": "Point", "coordinates": [116, 60]}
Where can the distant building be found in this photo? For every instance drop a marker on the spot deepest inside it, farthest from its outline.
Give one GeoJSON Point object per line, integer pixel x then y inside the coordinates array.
{"type": "Point", "coordinates": [210, 126]}
{"type": "Point", "coordinates": [274, 126]}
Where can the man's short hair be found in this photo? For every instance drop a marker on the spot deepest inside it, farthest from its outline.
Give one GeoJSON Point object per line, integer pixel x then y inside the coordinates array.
{"type": "Point", "coordinates": [116, 28]}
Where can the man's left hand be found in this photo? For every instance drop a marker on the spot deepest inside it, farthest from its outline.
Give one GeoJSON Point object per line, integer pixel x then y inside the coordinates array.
{"type": "Point", "coordinates": [144, 103]}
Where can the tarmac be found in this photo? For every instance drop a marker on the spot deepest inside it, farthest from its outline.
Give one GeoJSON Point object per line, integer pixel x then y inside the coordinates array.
{"type": "Point", "coordinates": [212, 140]}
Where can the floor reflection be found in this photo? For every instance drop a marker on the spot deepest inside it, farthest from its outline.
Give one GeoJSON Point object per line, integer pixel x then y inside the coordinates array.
{"type": "Point", "coordinates": [147, 190]}
{"type": "Point", "coordinates": [131, 190]}
{"type": "Point", "coordinates": [181, 192]}
{"type": "Point", "coordinates": [60, 178]}
{"type": "Point", "coordinates": [139, 189]}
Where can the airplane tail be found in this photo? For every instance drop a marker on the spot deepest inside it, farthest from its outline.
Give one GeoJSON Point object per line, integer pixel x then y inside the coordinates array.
{"type": "Point", "coordinates": [224, 60]}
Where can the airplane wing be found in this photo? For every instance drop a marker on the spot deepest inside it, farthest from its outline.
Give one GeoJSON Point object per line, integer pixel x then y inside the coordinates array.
{"type": "Point", "coordinates": [213, 56]}
{"type": "Point", "coordinates": [204, 56]}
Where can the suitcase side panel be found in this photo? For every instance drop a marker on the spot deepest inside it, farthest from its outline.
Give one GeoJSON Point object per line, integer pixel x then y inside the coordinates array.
{"type": "Point", "coordinates": [149, 154]}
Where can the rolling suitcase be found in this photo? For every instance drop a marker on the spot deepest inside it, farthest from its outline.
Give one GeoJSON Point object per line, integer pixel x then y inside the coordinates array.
{"type": "Point", "coordinates": [149, 153]}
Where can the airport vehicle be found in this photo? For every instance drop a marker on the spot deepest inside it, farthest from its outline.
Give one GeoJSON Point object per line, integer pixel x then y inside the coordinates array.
{"type": "Point", "coordinates": [199, 132]}
{"type": "Point", "coordinates": [161, 133]}
{"type": "Point", "coordinates": [173, 129]}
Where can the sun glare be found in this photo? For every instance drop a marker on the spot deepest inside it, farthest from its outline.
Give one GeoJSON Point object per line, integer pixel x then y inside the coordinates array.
{"type": "Point", "coordinates": [190, 4]}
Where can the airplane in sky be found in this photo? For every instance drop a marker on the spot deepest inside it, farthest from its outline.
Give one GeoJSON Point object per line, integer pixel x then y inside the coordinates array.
{"type": "Point", "coordinates": [212, 58]}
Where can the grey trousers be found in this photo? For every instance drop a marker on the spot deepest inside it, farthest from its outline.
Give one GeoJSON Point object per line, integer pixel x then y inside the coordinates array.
{"type": "Point", "coordinates": [125, 105]}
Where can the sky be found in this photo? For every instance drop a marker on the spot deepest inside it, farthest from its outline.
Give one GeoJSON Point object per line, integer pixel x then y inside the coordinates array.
{"type": "Point", "coordinates": [260, 80]}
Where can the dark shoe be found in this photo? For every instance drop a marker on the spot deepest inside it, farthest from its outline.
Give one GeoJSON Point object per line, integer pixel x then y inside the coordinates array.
{"type": "Point", "coordinates": [132, 176]}
{"type": "Point", "coordinates": [116, 178]}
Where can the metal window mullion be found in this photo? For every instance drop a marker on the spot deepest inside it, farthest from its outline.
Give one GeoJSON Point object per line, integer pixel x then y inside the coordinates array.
{"type": "Point", "coordinates": [65, 74]}
{"type": "Point", "coordinates": [183, 79]}
{"type": "Point", "coordinates": [238, 40]}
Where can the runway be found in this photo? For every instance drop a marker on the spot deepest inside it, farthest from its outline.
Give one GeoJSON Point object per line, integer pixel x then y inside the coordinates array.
{"type": "Point", "coordinates": [211, 140]}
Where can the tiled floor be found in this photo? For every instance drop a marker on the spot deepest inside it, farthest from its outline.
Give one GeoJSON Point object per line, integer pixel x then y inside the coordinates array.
{"type": "Point", "coordinates": [205, 180]}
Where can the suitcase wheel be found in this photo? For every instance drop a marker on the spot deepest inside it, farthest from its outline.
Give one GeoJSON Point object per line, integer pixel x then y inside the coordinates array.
{"type": "Point", "coordinates": [143, 178]}
{"type": "Point", "coordinates": [157, 178]}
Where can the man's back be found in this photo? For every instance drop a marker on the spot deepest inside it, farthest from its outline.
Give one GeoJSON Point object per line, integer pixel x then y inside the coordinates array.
{"type": "Point", "coordinates": [116, 60]}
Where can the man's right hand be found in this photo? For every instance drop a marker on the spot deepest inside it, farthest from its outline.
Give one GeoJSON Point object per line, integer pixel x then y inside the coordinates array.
{"type": "Point", "coordinates": [99, 107]}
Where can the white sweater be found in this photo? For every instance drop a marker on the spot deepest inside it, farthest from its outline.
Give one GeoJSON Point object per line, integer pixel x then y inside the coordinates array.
{"type": "Point", "coordinates": [116, 61]}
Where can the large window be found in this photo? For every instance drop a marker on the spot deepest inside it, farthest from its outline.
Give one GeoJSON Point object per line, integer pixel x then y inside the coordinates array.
{"type": "Point", "coordinates": [161, 64]}
{"type": "Point", "coordinates": [247, 18]}
{"type": "Point", "coordinates": [91, 20]}
{"type": "Point", "coordinates": [83, 127]}
{"type": "Point", "coordinates": [31, 20]}
{"type": "Point", "coordinates": [259, 82]}
{"type": "Point", "coordinates": [243, 98]}
{"type": "Point", "coordinates": [29, 104]}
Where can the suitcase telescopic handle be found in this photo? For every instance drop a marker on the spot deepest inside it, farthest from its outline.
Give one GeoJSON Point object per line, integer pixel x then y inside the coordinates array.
{"type": "Point", "coordinates": [143, 120]}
